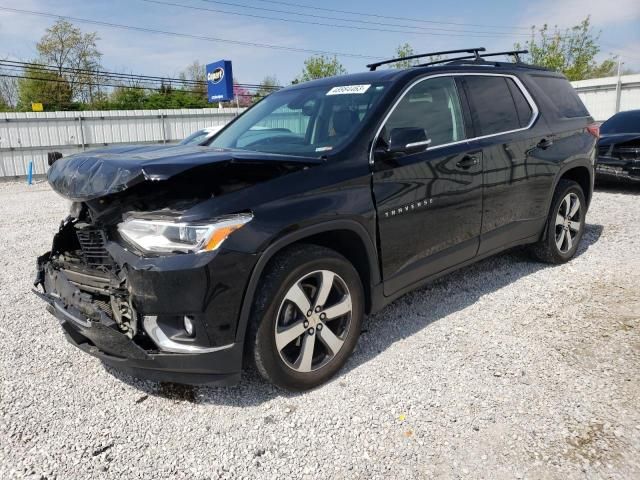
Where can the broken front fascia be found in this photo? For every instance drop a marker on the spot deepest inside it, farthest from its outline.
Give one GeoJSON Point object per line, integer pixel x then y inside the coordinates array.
{"type": "Point", "coordinates": [119, 300]}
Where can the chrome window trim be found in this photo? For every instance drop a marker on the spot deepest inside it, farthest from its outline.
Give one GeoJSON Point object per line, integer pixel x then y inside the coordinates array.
{"type": "Point", "coordinates": [535, 112]}
{"type": "Point", "coordinates": [418, 144]}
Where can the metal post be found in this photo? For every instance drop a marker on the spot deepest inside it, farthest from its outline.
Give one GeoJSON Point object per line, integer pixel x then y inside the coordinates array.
{"type": "Point", "coordinates": [84, 148]}
{"type": "Point", "coordinates": [237, 105]}
{"type": "Point", "coordinates": [619, 84]}
{"type": "Point", "coordinates": [164, 133]}
{"type": "Point", "coordinates": [30, 173]}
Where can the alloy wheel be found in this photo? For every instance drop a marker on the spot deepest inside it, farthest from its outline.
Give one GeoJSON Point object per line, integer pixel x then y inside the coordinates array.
{"type": "Point", "coordinates": [568, 222]}
{"type": "Point", "coordinates": [313, 321]}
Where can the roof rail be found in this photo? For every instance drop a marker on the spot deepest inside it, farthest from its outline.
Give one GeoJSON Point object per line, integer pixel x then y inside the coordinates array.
{"type": "Point", "coordinates": [514, 53]}
{"type": "Point", "coordinates": [476, 55]}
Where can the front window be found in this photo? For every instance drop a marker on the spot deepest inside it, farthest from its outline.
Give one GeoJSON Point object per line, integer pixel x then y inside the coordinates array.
{"type": "Point", "coordinates": [311, 121]}
{"type": "Point", "coordinates": [433, 106]}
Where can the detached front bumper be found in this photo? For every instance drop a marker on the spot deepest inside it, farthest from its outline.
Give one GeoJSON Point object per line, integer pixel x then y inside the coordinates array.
{"type": "Point", "coordinates": [166, 289]}
{"type": "Point", "coordinates": [609, 168]}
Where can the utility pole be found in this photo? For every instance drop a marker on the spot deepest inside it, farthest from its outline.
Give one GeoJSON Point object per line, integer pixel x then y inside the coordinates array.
{"type": "Point", "coordinates": [619, 84]}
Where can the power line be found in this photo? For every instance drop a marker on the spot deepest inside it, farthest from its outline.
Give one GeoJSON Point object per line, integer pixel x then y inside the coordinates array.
{"type": "Point", "coordinates": [186, 35]}
{"type": "Point", "coordinates": [416, 30]}
{"type": "Point", "coordinates": [101, 84]}
{"type": "Point", "coordinates": [386, 17]}
{"type": "Point", "coordinates": [125, 76]}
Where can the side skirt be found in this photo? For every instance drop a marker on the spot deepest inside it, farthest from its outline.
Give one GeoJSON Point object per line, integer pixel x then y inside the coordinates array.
{"type": "Point", "coordinates": [379, 300]}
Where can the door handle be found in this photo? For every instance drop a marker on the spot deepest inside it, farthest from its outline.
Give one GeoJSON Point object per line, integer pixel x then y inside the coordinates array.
{"type": "Point", "coordinates": [467, 162]}
{"type": "Point", "coordinates": [544, 143]}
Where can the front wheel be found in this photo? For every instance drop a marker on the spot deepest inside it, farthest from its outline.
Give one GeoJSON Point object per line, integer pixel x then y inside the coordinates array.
{"type": "Point", "coordinates": [565, 224]}
{"type": "Point", "coordinates": [307, 318]}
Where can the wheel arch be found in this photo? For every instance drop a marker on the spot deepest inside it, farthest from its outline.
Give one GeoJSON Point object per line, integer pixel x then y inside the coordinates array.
{"type": "Point", "coordinates": [582, 174]}
{"type": "Point", "coordinates": [349, 238]}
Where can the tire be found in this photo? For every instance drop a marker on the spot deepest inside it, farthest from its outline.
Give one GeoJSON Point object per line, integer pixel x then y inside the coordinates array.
{"type": "Point", "coordinates": [274, 347]}
{"type": "Point", "coordinates": [562, 233]}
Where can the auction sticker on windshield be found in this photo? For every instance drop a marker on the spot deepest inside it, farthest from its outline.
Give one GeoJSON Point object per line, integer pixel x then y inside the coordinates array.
{"type": "Point", "coordinates": [348, 90]}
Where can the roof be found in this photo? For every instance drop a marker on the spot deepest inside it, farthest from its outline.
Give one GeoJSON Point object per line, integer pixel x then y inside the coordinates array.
{"type": "Point", "coordinates": [352, 79]}
{"type": "Point", "coordinates": [394, 74]}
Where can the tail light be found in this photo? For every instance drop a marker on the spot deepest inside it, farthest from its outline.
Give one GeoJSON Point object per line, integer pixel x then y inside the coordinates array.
{"type": "Point", "coordinates": [594, 129]}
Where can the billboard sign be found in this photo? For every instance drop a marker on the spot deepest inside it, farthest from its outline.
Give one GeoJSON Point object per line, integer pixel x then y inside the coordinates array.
{"type": "Point", "coordinates": [219, 81]}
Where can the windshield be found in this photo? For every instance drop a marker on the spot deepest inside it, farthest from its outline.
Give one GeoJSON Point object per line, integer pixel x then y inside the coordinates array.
{"type": "Point", "coordinates": [309, 121]}
{"type": "Point", "coordinates": [626, 122]}
{"type": "Point", "coordinates": [195, 138]}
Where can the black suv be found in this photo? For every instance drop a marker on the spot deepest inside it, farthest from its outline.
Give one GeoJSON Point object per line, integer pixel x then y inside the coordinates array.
{"type": "Point", "coordinates": [322, 203]}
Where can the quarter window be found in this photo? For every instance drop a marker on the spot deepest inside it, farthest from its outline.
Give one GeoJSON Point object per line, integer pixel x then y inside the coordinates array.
{"type": "Point", "coordinates": [432, 105]}
{"type": "Point", "coordinates": [494, 107]}
{"type": "Point", "coordinates": [562, 95]}
{"type": "Point", "coordinates": [523, 108]}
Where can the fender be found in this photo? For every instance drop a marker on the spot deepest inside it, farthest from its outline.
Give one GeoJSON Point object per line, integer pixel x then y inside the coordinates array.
{"type": "Point", "coordinates": [301, 234]}
{"type": "Point", "coordinates": [583, 162]}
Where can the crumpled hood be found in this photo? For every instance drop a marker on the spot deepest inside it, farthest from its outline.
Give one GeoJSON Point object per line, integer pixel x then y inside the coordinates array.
{"type": "Point", "coordinates": [97, 173]}
{"type": "Point", "coordinates": [614, 138]}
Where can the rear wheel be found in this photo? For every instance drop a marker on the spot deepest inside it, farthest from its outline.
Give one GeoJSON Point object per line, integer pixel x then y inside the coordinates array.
{"type": "Point", "coordinates": [565, 224]}
{"type": "Point", "coordinates": [307, 317]}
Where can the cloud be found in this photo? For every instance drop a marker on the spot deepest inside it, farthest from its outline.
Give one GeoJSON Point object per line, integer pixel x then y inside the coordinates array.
{"type": "Point", "coordinates": [157, 54]}
{"type": "Point", "coordinates": [565, 13]}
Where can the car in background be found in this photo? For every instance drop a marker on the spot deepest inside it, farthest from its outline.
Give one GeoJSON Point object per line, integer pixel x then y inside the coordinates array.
{"type": "Point", "coordinates": [619, 148]}
{"type": "Point", "coordinates": [201, 137]}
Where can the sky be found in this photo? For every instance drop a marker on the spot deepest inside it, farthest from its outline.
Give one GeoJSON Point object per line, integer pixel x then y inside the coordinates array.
{"type": "Point", "coordinates": [451, 24]}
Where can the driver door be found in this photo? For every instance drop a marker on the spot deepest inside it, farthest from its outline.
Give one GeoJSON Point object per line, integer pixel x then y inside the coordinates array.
{"type": "Point", "coordinates": [429, 202]}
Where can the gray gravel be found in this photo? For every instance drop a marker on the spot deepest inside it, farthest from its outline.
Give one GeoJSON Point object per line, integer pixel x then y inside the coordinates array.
{"type": "Point", "coordinates": [506, 369]}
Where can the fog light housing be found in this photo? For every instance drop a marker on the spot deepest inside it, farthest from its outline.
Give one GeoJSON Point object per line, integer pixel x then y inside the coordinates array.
{"type": "Point", "coordinates": [188, 325]}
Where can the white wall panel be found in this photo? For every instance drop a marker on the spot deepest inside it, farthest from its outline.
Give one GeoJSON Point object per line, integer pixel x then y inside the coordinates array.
{"type": "Point", "coordinates": [599, 95]}
{"type": "Point", "coordinates": [28, 136]}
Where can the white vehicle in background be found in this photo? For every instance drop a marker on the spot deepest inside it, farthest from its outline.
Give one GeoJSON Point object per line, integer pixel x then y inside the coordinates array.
{"type": "Point", "coordinates": [201, 137]}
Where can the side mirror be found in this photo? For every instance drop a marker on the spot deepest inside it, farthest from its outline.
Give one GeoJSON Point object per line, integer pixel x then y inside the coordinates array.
{"type": "Point", "coordinates": [408, 140]}
{"type": "Point", "coordinates": [52, 157]}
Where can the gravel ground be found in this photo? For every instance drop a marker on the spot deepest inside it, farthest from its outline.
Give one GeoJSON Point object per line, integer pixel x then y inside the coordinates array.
{"type": "Point", "coordinates": [506, 369]}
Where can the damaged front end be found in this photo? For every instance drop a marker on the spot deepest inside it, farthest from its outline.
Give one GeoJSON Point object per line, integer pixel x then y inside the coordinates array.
{"type": "Point", "coordinates": [619, 158]}
{"type": "Point", "coordinates": [139, 280]}
{"type": "Point", "coordinates": [152, 317]}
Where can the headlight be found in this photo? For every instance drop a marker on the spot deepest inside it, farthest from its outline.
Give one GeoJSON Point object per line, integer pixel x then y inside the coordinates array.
{"type": "Point", "coordinates": [158, 236]}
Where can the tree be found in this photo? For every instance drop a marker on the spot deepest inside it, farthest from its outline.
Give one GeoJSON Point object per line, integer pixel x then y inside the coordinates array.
{"type": "Point", "coordinates": [402, 51]}
{"type": "Point", "coordinates": [48, 88]}
{"type": "Point", "coordinates": [406, 50]}
{"type": "Point", "coordinates": [320, 66]}
{"type": "Point", "coordinates": [196, 72]}
{"type": "Point", "coordinates": [243, 96]}
{"type": "Point", "coordinates": [267, 86]}
{"type": "Point", "coordinates": [65, 47]}
{"type": "Point", "coordinates": [4, 105]}
{"type": "Point", "coordinates": [571, 51]}
{"type": "Point", "coordinates": [8, 89]}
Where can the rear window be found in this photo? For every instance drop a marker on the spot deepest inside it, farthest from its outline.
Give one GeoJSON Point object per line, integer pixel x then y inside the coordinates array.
{"type": "Point", "coordinates": [494, 109]}
{"type": "Point", "coordinates": [562, 95]}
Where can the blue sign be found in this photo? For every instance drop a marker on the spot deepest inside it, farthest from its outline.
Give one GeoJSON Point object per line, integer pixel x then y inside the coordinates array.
{"type": "Point", "coordinates": [219, 81]}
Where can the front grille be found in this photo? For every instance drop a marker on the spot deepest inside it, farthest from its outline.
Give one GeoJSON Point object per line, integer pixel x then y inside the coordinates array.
{"type": "Point", "coordinates": [627, 153]}
{"type": "Point", "coordinates": [92, 242]}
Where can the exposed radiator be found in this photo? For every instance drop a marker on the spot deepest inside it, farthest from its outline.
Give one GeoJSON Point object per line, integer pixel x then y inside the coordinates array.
{"type": "Point", "coordinates": [93, 241]}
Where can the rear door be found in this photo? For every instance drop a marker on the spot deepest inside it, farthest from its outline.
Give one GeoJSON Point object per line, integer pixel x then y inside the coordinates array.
{"type": "Point", "coordinates": [518, 169]}
{"type": "Point", "coordinates": [429, 203]}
